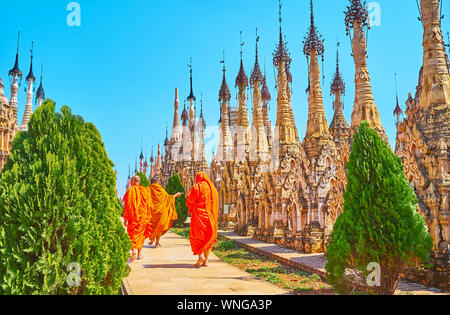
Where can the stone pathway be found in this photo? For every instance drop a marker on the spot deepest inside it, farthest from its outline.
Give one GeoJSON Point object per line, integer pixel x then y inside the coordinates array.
{"type": "Point", "coordinates": [168, 270]}
{"type": "Point", "coordinates": [312, 263]}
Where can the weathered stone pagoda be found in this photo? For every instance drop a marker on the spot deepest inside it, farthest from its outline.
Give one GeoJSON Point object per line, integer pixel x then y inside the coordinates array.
{"type": "Point", "coordinates": [423, 142]}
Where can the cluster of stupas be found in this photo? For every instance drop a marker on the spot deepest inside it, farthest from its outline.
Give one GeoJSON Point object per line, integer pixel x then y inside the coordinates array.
{"type": "Point", "coordinates": [150, 170]}
{"type": "Point", "coordinates": [9, 123]}
{"type": "Point", "coordinates": [184, 151]}
{"type": "Point", "coordinates": [279, 189]}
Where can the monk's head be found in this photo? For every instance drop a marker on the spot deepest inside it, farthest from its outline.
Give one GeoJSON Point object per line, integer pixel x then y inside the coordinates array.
{"type": "Point", "coordinates": [135, 180]}
{"type": "Point", "coordinates": [154, 180]}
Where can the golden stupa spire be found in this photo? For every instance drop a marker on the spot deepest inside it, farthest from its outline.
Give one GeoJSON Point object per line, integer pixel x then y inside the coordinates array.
{"type": "Point", "coordinates": [266, 97]}
{"type": "Point", "coordinates": [436, 80]}
{"type": "Point", "coordinates": [242, 134]}
{"type": "Point", "coordinates": [224, 150]}
{"type": "Point", "coordinates": [339, 128]}
{"type": "Point", "coordinates": [258, 145]}
{"type": "Point", "coordinates": [285, 130]}
{"type": "Point", "coordinates": [313, 48]}
{"type": "Point", "coordinates": [364, 109]}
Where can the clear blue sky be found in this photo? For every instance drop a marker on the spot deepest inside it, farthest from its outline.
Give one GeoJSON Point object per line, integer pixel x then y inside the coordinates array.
{"type": "Point", "coordinates": [119, 69]}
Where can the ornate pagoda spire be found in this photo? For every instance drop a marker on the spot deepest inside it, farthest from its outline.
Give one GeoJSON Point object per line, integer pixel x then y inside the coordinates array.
{"type": "Point", "coordinates": [338, 85]}
{"type": "Point", "coordinates": [241, 79]}
{"type": "Point", "coordinates": [15, 71]}
{"type": "Point", "coordinates": [281, 53]}
{"type": "Point", "coordinates": [141, 162]}
{"type": "Point", "coordinates": [242, 134]}
{"type": "Point", "coordinates": [30, 76]}
{"type": "Point", "coordinates": [29, 106]}
{"type": "Point", "coordinates": [265, 93]}
{"type": "Point", "coordinates": [398, 112]}
{"type": "Point", "coordinates": [201, 133]}
{"type": "Point", "coordinates": [166, 140]}
{"type": "Point", "coordinates": [317, 126]}
{"type": "Point", "coordinates": [191, 96]}
{"type": "Point", "coordinates": [40, 94]}
{"type": "Point", "coordinates": [364, 109]}
{"type": "Point", "coordinates": [266, 97]}
{"type": "Point", "coordinates": [225, 147]}
{"type": "Point", "coordinates": [258, 145]}
{"type": "Point", "coordinates": [192, 116]}
{"type": "Point", "coordinates": [176, 127]}
{"type": "Point", "coordinates": [16, 77]}
{"type": "Point", "coordinates": [256, 77]}
{"type": "Point", "coordinates": [435, 78]}
{"type": "Point", "coordinates": [202, 119]}
{"type": "Point", "coordinates": [186, 140]}
{"type": "Point", "coordinates": [158, 160]}
{"type": "Point", "coordinates": [184, 115]}
{"type": "Point", "coordinates": [152, 160]}
{"type": "Point", "coordinates": [339, 127]}
{"type": "Point", "coordinates": [285, 129]}
{"type": "Point", "coordinates": [145, 164]}
{"type": "Point", "coordinates": [129, 178]}
{"type": "Point", "coordinates": [224, 93]}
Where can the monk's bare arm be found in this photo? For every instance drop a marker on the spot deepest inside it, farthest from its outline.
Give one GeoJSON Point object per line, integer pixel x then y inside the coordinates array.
{"type": "Point", "coordinates": [177, 195]}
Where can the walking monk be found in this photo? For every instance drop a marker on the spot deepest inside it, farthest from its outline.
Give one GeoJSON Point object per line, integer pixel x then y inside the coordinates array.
{"type": "Point", "coordinates": [203, 203]}
{"type": "Point", "coordinates": [136, 215]}
{"type": "Point", "coordinates": [163, 211]}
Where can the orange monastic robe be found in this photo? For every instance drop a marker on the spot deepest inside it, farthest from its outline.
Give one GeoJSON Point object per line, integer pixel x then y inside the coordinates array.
{"type": "Point", "coordinates": [163, 211]}
{"type": "Point", "coordinates": [203, 203]}
{"type": "Point", "coordinates": [136, 212]}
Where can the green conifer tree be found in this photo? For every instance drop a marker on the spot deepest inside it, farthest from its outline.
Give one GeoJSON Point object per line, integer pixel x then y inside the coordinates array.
{"type": "Point", "coordinates": [380, 223]}
{"type": "Point", "coordinates": [144, 180]}
{"type": "Point", "coordinates": [174, 186]}
{"type": "Point", "coordinates": [58, 206]}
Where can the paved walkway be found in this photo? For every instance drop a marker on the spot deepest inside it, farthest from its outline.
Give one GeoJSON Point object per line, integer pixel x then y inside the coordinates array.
{"type": "Point", "coordinates": [312, 263]}
{"type": "Point", "coordinates": [168, 270]}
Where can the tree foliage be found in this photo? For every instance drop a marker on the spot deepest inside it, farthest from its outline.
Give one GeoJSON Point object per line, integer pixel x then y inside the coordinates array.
{"type": "Point", "coordinates": [174, 186]}
{"type": "Point", "coordinates": [380, 222]}
{"type": "Point", "coordinates": [58, 206]}
{"type": "Point", "coordinates": [144, 180]}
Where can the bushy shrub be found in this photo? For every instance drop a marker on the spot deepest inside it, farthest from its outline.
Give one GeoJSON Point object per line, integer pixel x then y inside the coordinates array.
{"type": "Point", "coordinates": [144, 180]}
{"type": "Point", "coordinates": [380, 223]}
{"type": "Point", "coordinates": [58, 206]}
{"type": "Point", "coordinates": [174, 186]}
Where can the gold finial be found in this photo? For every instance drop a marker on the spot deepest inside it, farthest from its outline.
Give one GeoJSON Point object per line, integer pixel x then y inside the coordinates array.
{"type": "Point", "coordinates": [279, 12]}
{"type": "Point", "coordinates": [242, 43]}
{"type": "Point", "coordinates": [223, 61]}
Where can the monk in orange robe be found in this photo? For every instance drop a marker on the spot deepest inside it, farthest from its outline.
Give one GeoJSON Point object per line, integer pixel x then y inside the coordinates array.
{"type": "Point", "coordinates": [136, 215]}
{"type": "Point", "coordinates": [162, 211]}
{"type": "Point", "coordinates": [203, 203]}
